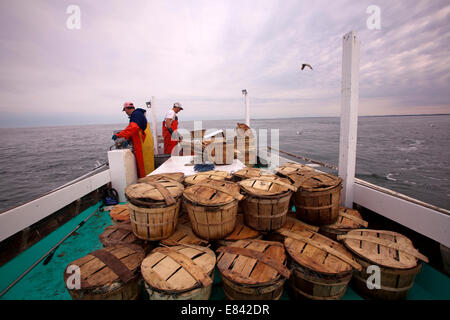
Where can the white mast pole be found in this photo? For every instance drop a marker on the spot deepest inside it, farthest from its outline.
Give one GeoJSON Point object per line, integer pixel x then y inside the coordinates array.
{"type": "Point", "coordinates": [247, 107]}
{"type": "Point", "coordinates": [349, 116]}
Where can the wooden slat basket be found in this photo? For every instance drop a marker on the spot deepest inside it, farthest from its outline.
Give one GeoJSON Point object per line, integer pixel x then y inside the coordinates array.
{"type": "Point", "coordinates": [267, 202]}
{"type": "Point", "coordinates": [322, 267]}
{"type": "Point", "coordinates": [348, 219]}
{"type": "Point", "coordinates": [317, 199]}
{"type": "Point", "coordinates": [154, 208]}
{"type": "Point", "coordinates": [292, 224]}
{"type": "Point", "coordinates": [212, 208]}
{"type": "Point", "coordinates": [393, 253]}
{"type": "Point", "coordinates": [248, 173]}
{"type": "Point", "coordinates": [119, 213]}
{"type": "Point", "coordinates": [177, 176]}
{"type": "Point", "coordinates": [210, 175]}
{"type": "Point", "coordinates": [240, 232]}
{"type": "Point", "coordinates": [111, 273]}
{"type": "Point", "coordinates": [253, 270]}
{"type": "Point", "coordinates": [292, 168]}
{"type": "Point", "coordinates": [184, 235]}
{"type": "Point", "coordinates": [122, 234]}
{"type": "Point", "coordinates": [179, 273]}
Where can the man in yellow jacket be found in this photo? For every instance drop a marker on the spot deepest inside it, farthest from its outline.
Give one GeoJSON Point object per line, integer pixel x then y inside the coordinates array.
{"type": "Point", "coordinates": [139, 132]}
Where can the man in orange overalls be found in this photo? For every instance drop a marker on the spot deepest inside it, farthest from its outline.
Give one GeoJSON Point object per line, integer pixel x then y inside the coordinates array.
{"type": "Point", "coordinates": [169, 127]}
{"type": "Point", "coordinates": [139, 132]}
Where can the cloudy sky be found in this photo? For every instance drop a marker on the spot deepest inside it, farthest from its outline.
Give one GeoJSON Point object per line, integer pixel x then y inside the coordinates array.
{"type": "Point", "coordinates": [203, 53]}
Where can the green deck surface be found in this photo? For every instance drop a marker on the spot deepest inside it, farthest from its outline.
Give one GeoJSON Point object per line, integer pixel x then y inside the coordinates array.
{"type": "Point", "coordinates": [45, 282]}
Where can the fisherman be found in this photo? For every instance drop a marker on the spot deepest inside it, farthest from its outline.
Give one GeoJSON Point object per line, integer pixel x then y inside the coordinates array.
{"type": "Point", "coordinates": [139, 132]}
{"type": "Point", "coordinates": [169, 127]}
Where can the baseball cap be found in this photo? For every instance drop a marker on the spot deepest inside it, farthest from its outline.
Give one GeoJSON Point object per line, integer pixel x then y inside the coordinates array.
{"type": "Point", "coordinates": [127, 105]}
{"type": "Point", "coordinates": [177, 105]}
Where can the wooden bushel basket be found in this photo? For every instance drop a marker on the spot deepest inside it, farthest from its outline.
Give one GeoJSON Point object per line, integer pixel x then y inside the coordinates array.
{"type": "Point", "coordinates": [317, 198]}
{"type": "Point", "coordinates": [267, 202]}
{"type": "Point", "coordinates": [212, 208]}
{"type": "Point", "coordinates": [393, 253]}
{"type": "Point", "coordinates": [253, 270]}
{"type": "Point", "coordinates": [184, 235]}
{"type": "Point", "coordinates": [292, 224]}
{"type": "Point", "coordinates": [207, 175]}
{"type": "Point", "coordinates": [322, 267]}
{"type": "Point", "coordinates": [154, 208]}
{"type": "Point", "coordinates": [177, 176]}
{"type": "Point", "coordinates": [248, 173]}
{"type": "Point", "coordinates": [108, 274]}
{"type": "Point", "coordinates": [349, 219]}
{"type": "Point", "coordinates": [179, 273]}
{"type": "Point", "coordinates": [292, 167]}
{"type": "Point", "coordinates": [240, 232]}
{"type": "Point", "coordinates": [122, 234]}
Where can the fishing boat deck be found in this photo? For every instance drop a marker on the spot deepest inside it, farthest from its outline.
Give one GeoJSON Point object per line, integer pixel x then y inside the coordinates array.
{"type": "Point", "coordinates": [45, 282]}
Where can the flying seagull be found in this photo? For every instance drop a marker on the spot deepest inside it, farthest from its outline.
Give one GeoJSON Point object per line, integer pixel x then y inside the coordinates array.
{"type": "Point", "coordinates": [306, 65]}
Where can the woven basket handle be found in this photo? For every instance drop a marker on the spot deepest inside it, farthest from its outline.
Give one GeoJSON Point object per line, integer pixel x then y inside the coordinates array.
{"type": "Point", "coordinates": [163, 191]}
{"type": "Point", "coordinates": [279, 182]}
{"type": "Point", "coordinates": [393, 245]}
{"type": "Point", "coordinates": [322, 246]}
{"type": "Point", "coordinates": [279, 267]}
{"type": "Point", "coordinates": [237, 196]}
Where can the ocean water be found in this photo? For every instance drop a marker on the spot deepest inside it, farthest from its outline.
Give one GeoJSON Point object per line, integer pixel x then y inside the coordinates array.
{"type": "Point", "coordinates": [408, 154]}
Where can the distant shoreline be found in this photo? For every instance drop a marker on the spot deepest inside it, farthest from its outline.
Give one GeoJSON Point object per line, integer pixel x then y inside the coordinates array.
{"type": "Point", "coordinates": [242, 120]}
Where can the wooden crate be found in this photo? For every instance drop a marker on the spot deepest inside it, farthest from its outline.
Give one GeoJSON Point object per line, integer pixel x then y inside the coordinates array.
{"type": "Point", "coordinates": [253, 270]}
{"type": "Point", "coordinates": [179, 273]}
{"type": "Point", "coordinates": [267, 202]}
{"type": "Point", "coordinates": [210, 175]}
{"type": "Point", "coordinates": [154, 208]}
{"type": "Point", "coordinates": [111, 273]}
{"type": "Point", "coordinates": [122, 234]}
{"type": "Point", "coordinates": [317, 199]}
{"type": "Point", "coordinates": [212, 208]}
{"type": "Point", "coordinates": [322, 267]}
{"type": "Point", "coordinates": [348, 219]}
{"type": "Point", "coordinates": [119, 213]}
{"type": "Point", "coordinates": [393, 253]}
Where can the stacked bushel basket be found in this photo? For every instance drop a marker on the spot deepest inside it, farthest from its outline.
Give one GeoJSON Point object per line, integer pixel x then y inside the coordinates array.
{"type": "Point", "coordinates": [177, 230]}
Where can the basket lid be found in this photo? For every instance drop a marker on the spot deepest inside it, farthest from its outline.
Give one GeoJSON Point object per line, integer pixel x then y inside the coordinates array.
{"type": "Point", "coordinates": [266, 186]}
{"type": "Point", "coordinates": [101, 268]}
{"type": "Point", "coordinates": [386, 248]}
{"type": "Point", "coordinates": [213, 175]}
{"type": "Point", "coordinates": [177, 176]}
{"type": "Point", "coordinates": [118, 234]}
{"type": "Point", "coordinates": [248, 173]}
{"type": "Point", "coordinates": [347, 219]}
{"type": "Point", "coordinates": [314, 181]}
{"type": "Point", "coordinates": [318, 253]}
{"type": "Point", "coordinates": [179, 268]}
{"type": "Point", "coordinates": [163, 190]}
{"type": "Point", "coordinates": [293, 224]}
{"type": "Point", "coordinates": [184, 235]}
{"type": "Point", "coordinates": [241, 231]}
{"type": "Point", "coordinates": [253, 262]}
{"type": "Point", "coordinates": [292, 167]}
{"type": "Point", "coordinates": [213, 192]}
{"type": "Point", "coordinates": [120, 213]}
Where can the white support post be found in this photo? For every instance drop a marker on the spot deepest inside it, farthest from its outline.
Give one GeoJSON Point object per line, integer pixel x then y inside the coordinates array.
{"type": "Point", "coordinates": [349, 116]}
{"type": "Point", "coordinates": [155, 127]}
{"type": "Point", "coordinates": [123, 170]}
{"type": "Point", "coordinates": [247, 107]}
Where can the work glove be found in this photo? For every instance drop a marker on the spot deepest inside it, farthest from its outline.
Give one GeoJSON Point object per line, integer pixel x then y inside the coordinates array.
{"type": "Point", "coordinates": [170, 130]}
{"type": "Point", "coordinates": [125, 144]}
{"type": "Point", "coordinates": [114, 137]}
